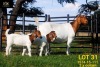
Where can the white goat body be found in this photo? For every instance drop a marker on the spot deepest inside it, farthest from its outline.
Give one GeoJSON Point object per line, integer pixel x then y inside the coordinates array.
{"type": "Point", "coordinates": [17, 39]}
{"type": "Point", "coordinates": [63, 31]}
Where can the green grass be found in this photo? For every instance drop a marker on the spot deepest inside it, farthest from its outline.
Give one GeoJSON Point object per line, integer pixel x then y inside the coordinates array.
{"type": "Point", "coordinates": [44, 61]}
{"type": "Point", "coordinates": [55, 59]}
{"type": "Point", "coordinates": [75, 50]}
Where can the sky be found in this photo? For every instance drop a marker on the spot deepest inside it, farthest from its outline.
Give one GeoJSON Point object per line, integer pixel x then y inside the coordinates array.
{"type": "Point", "coordinates": [55, 9]}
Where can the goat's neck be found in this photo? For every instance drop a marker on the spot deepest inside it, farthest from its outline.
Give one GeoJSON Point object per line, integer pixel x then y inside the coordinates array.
{"type": "Point", "coordinates": [31, 38]}
{"type": "Point", "coordinates": [75, 24]}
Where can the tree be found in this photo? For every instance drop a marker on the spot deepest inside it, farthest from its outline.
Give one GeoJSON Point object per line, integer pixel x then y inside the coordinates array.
{"type": "Point", "coordinates": [13, 17]}
{"type": "Point", "coordinates": [4, 21]}
{"type": "Point", "coordinates": [3, 12]}
{"type": "Point", "coordinates": [66, 1]}
{"type": "Point", "coordinates": [88, 7]}
{"type": "Point", "coordinates": [20, 7]}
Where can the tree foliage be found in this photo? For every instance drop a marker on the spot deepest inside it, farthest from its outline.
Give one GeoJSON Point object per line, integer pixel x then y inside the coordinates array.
{"type": "Point", "coordinates": [88, 7]}
{"type": "Point", "coordinates": [66, 1]}
{"type": "Point", "coordinates": [29, 11]}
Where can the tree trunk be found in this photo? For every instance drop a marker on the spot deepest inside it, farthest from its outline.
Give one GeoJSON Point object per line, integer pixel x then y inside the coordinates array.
{"type": "Point", "coordinates": [13, 17]}
{"type": "Point", "coordinates": [5, 24]}
{"type": "Point", "coordinates": [3, 12]}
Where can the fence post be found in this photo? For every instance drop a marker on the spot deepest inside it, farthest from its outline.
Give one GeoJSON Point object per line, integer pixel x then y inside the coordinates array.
{"type": "Point", "coordinates": [23, 26]}
{"type": "Point", "coordinates": [48, 18]}
{"type": "Point", "coordinates": [92, 35]}
{"type": "Point", "coordinates": [0, 34]}
{"type": "Point", "coordinates": [23, 23]}
{"type": "Point", "coordinates": [45, 17]}
{"type": "Point", "coordinates": [97, 35]}
{"type": "Point", "coordinates": [67, 18]}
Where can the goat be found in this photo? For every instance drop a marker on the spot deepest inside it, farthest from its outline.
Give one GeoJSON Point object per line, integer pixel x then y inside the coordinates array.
{"type": "Point", "coordinates": [21, 40]}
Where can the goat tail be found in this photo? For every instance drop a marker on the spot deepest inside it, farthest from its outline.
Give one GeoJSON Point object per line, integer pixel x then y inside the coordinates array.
{"type": "Point", "coordinates": [6, 33]}
{"type": "Point", "coordinates": [37, 22]}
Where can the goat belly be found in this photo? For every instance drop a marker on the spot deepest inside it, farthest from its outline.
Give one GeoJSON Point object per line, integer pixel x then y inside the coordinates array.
{"type": "Point", "coordinates": [59, 40]}
{"type": "Point", "coordinates": [21, 40]}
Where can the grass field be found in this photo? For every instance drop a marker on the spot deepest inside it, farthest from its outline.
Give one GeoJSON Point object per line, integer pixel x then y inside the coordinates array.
{"type": "Point", "coordinates": [48, 61]}
{"type": "Point", "coordinates": [81, 57]}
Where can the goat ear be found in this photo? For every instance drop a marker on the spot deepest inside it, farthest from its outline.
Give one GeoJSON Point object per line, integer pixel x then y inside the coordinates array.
{"type": "Point", "coordinates": [47, 35]}
{"type": "Point", "coordinates": [35, 29]}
